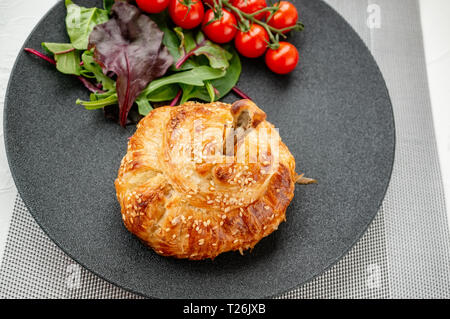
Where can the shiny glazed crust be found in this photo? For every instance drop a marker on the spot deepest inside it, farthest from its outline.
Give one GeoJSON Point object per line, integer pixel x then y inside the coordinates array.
{"type": "Point", "coordinates": [191, 197]}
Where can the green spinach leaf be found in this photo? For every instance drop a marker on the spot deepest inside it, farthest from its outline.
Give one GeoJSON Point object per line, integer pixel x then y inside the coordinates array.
{"type": "Point", "coordinates": [194, 77]}
{"type": "Point", "coordinates": [223, 84]}
{"type": "Point", "coordinates": [107, 4]}
{"type": "Point", "coordinates": [90, 66]}
{"type": "Point", "coordinates": [144, 106]}
{"type": "Point", "coordinates": [80, 22]}
{"type": "Point", "coordinates": [66, 57]}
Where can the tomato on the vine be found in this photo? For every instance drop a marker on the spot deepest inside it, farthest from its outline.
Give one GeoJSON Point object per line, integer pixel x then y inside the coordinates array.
{"type": "Point", "coordinates": [152, 6]}
{"type": "Point", "coordinates": [221, 30]}
{"type": "Point", "coordinates": [253, 43]}
{"type": "Point", "coordinates": [286, 16]}
{"type": "Point", "coordinates": [187, 14]}
{"type": "Point", "coordinates": [282, 60]}
{"type": "Point", "coordinates": [251, 6]}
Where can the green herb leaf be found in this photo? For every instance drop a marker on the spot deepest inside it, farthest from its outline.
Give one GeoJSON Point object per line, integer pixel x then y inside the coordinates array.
{"type": "Point", "coordinates": [223, 84]}
{"type": "Point", "coordinates": [217, 56]}
{"type": "Point", "coordinates": [194, 77]}
{"type": "Point", "coordinates": [66, 57]}
{"type": "Point", "coordinates": [231, 77]}
{"type": "Point", "coordinates": [165, 93]}
{"type": "Point", "coordinates": [90, 66]}
{"type": "Point", "coordinates": [99, 104]}
{"type": "Point", "coordinates": [80, 22]}
{"type": "Point", "coordinates": [144, 106]}
{"type": "Point", "coordinates": [187, 42]}
{"type": "Point", "coordinates": [107, 4]}
{"type": "Point", "coordinates": [210, 90]}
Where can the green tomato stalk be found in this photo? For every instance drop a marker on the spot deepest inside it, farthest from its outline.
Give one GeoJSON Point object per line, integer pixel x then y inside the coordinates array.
{"type": "Point", "coordinates": [246, 19]}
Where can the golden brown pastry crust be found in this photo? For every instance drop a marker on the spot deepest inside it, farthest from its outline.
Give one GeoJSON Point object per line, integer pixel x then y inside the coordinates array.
{"type": "Point", "coordinates": [187, 200]}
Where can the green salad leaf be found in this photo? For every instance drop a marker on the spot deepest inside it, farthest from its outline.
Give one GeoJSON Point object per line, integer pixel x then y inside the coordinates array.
{"type": "Point", "coordinates": [144, 106]}
{"type": "Point", "coordinates": [125, 59]}
{"type": "Point", "coordinates": [66, 57]}
{"type": "Point", "coordinates": [80, 22]}
{"type": "Point", "coordinates": [194, 77]}
{"type": "Point", "coordinates": [107, 4]}
{"type": "Point", "coordinates": [222, 85]}
{"type": "Point", "coordinates": [92, 69]}
{"type": "Point", "coordinates": [218, 57]}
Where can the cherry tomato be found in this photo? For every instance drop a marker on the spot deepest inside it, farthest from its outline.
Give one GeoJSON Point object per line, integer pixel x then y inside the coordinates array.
{"type": "Point", "coordinates": [222, 30]}
{"type": "Point", "coordinates": [152, 6]}
{"type": "Point", "coordinates": [282, 60]}
{"type": "Point", "coordinates": [252, 43]}
{"type": "Point", "coordinates": [250, 6]}
{"type": "Point", "coordinates": [285, 16]}
{"type": "Point", "coordinates": [187, 14]}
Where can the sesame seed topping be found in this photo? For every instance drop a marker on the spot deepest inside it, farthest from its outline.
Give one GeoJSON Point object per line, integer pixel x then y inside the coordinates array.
{"type": "Point", "coordinates": [224, 216]}
{"type": "Point", "coordinates": [201, 241]}
{"type": "Point", "coordinates": [235, 241]}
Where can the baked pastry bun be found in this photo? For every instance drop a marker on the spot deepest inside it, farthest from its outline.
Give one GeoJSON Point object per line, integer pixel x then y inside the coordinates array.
{"type": "Point", "coordinates": [202, 179]}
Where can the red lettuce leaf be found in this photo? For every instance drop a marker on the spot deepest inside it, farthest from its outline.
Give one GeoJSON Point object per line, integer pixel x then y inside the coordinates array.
{"type": "Point", "coordinates": [130, 45]}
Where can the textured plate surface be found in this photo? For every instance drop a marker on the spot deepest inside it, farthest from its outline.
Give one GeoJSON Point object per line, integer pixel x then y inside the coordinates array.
{"type": "Point", "coordinates": [333, 112]}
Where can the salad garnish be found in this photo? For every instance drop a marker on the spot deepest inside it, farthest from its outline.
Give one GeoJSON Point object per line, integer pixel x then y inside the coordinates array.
{"type": "Point", "coordinates": [136, 57]}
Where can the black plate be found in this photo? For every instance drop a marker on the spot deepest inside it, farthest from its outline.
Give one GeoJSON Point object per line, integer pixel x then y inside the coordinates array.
{"type": "Point", "coordinates": [333, 112]}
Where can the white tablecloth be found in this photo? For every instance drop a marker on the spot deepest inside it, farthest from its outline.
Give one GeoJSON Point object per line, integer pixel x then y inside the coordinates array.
{"type": "Point", "coordinates": [18, 17]}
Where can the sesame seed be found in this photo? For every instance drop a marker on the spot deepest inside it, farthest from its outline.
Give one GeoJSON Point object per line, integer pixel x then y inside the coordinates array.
{"type": "Point", "coordinates": [167, 229]}
{"type": "Point", "coordinates": [201, 241]}
{"type": "Point", "coordinates": [224, 216]}
{"type": "Point", "coordinates": [174, 236]}
{"type": "Point", "coordinates": [221, 223]}
{"type": "Point", "coordinates": [266, 207]}
{"type": "Point", "coordinates": [235, 241]}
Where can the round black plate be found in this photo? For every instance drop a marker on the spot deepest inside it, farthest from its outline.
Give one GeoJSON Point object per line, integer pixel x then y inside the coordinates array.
{"type": "Point", "coordinates": [333, 112]}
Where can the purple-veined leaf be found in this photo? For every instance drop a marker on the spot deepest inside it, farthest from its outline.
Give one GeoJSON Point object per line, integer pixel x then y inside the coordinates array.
{"type": "Point", "coordinates": [130, 45]}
